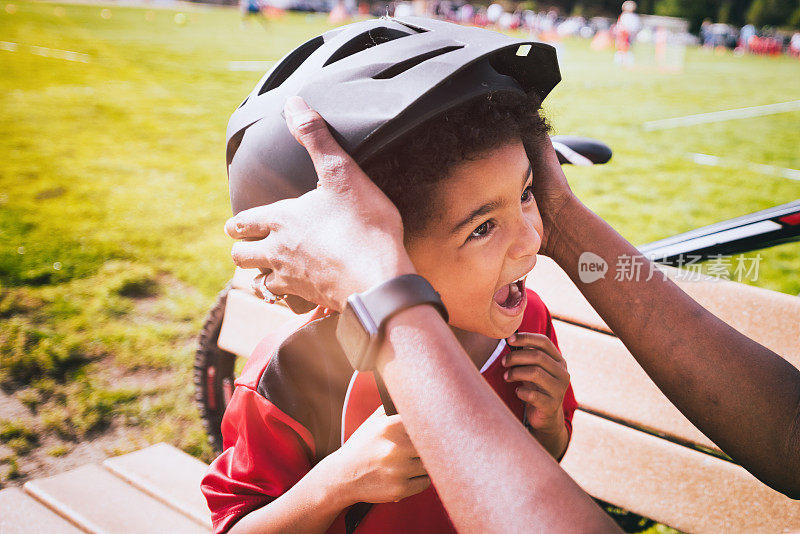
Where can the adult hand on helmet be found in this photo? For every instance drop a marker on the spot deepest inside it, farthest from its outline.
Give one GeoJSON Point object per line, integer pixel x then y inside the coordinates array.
{"type": "Point", "coordinates": [552, 192]}
{"type": "Point", "coordinates": [342, 238]}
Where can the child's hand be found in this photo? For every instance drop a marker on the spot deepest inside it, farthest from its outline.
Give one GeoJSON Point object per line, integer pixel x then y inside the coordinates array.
{"type": "Point", "coordinates": [379, 463]}
{"type": "Point", "coordinates": [542, 373]}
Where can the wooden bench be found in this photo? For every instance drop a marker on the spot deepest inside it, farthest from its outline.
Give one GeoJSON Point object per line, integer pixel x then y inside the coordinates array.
{"type": "Point", "coordinates": [156, 489]}
{"type": "Point", "coordinates": [631, 447]}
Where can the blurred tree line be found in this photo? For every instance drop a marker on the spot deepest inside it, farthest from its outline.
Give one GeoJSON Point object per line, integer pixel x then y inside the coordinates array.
{"type": "Point", "coordinates": [780, 13]}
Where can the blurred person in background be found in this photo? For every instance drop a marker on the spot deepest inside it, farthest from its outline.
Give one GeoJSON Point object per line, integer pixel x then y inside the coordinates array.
{"type": "Point", "coordinates": [465, 13]}
{"type": "Point", "coordinates": [628, 25]}
{"type": "Point", "coordinates": [251, 8]}
{"type": "Point", "coordinates": [706, 37]}
{"type": "Point", "coordinates": [493, 13]}
{"type": "Point", "coordinates": [794, 45]}
{"type": "Point", "coordinates": [745, 35]}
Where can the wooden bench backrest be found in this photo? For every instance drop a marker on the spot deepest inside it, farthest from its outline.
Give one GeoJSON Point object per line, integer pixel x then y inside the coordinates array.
{"type": "Point", "coordinates": [631, 447]}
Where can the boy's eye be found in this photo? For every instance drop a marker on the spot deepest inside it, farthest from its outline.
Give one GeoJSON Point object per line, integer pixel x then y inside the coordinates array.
{"type": "Point", "coordinates": [481, 231]}
{"type": "Point", "coordinates": [527, 195]}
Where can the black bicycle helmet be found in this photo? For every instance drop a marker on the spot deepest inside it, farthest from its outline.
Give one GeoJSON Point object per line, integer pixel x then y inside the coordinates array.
{"type": "Point", "coordinates": [370, 95]}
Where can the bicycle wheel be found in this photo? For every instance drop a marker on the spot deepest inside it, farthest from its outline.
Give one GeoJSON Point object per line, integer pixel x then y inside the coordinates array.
{"type": "Point", "coordinates": [213, 373]}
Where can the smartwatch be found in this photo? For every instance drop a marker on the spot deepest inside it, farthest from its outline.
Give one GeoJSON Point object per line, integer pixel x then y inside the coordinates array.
{"type": "Point", "coordinates": [361, 324]}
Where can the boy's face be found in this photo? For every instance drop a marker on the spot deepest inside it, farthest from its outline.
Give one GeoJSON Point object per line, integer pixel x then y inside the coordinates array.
{"type": "Point", "coordinates": [482, 241]}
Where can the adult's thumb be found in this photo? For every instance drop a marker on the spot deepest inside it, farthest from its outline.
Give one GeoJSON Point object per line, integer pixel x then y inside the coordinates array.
{"type": "Point", "coordinates": [334, 166]}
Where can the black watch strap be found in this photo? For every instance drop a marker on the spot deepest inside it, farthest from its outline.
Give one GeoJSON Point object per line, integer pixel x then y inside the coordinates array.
{"type": "Point", "coordinates": [360, 326]}
{"type": "Point", "coordinates": [398, 294]}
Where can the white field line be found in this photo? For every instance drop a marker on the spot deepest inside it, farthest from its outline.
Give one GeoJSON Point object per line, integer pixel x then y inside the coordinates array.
{"type": "Point", "coordinates": [68, 55]}
{"type": "Point", "coordinates": [721, 116]}
{"type": "Point", "coordinates": [249, 66]}
{"type": "Point", "coordinates": [715, 161]}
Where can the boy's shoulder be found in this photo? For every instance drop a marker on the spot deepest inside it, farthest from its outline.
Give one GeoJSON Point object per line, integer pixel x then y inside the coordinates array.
{"type": "Point", "coordinates": [304, 373]}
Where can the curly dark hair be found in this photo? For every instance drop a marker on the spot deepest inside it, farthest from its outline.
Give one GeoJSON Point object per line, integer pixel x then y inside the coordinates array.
{"type": "Point", "coordinates": [409, 170]}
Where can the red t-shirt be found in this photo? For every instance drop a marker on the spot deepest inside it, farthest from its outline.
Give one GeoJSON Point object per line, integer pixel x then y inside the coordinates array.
{"type": "Point", "coordinates": [298, 400]}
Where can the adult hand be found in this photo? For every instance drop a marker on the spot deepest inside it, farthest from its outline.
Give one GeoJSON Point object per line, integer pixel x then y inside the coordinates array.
{"type": "Point", "coordinates": [551, 191]}
{"type": "Point", "coordinates": [342, 238]}
{"type": "Point", "coordinates": [379, 463]}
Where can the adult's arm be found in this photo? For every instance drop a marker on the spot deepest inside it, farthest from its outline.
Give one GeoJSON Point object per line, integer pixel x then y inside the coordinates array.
{"type": "Point", "coordinates": [743, 396]}
{"type": "Point", "coordinates": [490, 475]}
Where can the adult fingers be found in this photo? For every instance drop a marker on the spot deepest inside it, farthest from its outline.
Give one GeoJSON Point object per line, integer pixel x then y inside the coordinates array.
{"type": "Point", "coordinates": [535, 341]}
{"type": "Point", "coordinates": [335, 168]}
{"type": "Point", "coordinates": [546, 153]}
{"type": "Point", "coordinates": [250, 224]}
{"type": "Point", "coordinates": [267, 286]}
{"type": "Point", "coordinates": [250, 255]}
{"type": "Point", "coordinates": [257, 285]}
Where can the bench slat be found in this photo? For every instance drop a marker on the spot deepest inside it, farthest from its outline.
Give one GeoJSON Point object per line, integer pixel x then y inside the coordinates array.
{"type": "Point", "coordinates": [607, 380]}
{"type": "Point", "coordinates": [21, 514]}
{"type": "Point", "coordinates": [168, 474]}
{"type": "Point", "coordinates": [670, 483]}
{"type": "Point", "coordinates": [247, 320]}
{"type": "Point", "coordinates": [771, 318]}
{"type": "Point", "coordinates": [100, 502]}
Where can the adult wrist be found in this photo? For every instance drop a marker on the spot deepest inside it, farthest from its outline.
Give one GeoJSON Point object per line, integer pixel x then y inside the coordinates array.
{"type": "Point", "coordinates": [390, 266]}
{"type": "Point", "coordinates": [567, 229]}
{"type": "Point", "coordinates": [361, 325]}
{"type": "Point", "coordinates": [413, 317]}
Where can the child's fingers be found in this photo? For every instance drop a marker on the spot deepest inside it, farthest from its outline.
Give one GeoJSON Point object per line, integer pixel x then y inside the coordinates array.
{"type": "Point", "coordinates": [418, 484]}
{"type": "Point", "coordinates": [370, 422]}
{"type": "Point", "coordinates": [539, 358]}
{"type": "Point", "coordinates": [535, 341]}
{"type": "Point", "coordinates": [533, 396]}
{"type": "Point", "coordinates": [416, 468]}
{"type": "Point", "coordinates": [379, 411]}
{"type": "Point", "coordinates": [533, 357]}
{"type": "Point", "coordinates": [535, 375]}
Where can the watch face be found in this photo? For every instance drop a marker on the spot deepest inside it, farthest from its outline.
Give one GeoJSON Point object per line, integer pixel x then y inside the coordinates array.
{"type": "Point", "coordinates": [352, 336]}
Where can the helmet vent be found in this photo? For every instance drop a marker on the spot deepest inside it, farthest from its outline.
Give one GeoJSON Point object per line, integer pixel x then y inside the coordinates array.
{"type": "Point", "coordinates": [411, 26]}
{"type": "Point", "coordinates": [407, 64]}
{"type": "Point", "coordinates": [290, 64]}
{"type": "Point", "coordinates": [368, 39]}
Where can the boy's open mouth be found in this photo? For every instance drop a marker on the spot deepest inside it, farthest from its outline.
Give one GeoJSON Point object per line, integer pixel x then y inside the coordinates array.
{"type": "Point", "coordinates": [511, 297]}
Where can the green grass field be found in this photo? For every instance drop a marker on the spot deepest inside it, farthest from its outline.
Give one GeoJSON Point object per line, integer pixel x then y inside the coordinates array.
{"type": "Point", "coordinates": [113, 194]}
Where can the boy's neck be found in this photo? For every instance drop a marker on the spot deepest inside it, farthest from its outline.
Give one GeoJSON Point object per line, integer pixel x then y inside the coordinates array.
{"type": "Point", "coordinates": [477, 346]}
